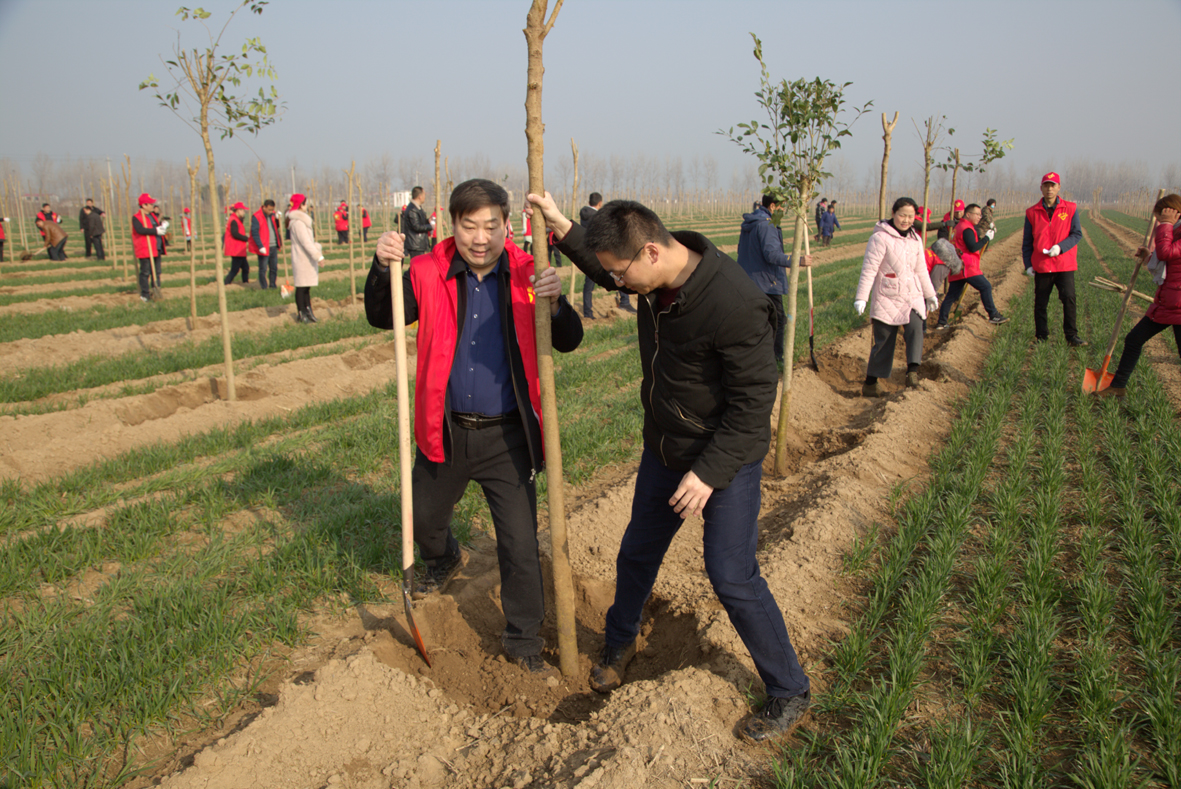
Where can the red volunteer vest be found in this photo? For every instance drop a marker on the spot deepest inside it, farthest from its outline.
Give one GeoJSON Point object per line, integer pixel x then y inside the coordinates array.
{"type": "Point", "coordinates": [971, 259]}
{"type": "Point", "coordinates": [188, 225]}
{"type": "Point", "coordinates": [235, 248]}
{"type": "Point", "coordinates": [342, 220]}
{"type": "Point", "coordinates": [438, 331]}
{"type": "Point", "coordinates": [1048, 231]}
{"type": "Point", "coordinates": [145, 246]}
{"type": "Point", "coordinates": [264, 233]}
{"type": "Point", "coordinates": [365, 220]}
{"type": "Point", "coordinates": [1, 231]}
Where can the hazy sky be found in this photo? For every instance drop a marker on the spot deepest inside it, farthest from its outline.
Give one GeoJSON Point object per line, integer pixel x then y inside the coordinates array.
{"type": "Point", "coordinates": [1069, 80]}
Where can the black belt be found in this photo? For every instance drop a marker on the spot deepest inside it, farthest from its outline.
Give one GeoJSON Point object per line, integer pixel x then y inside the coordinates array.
{"type": "Point", "coordinates": [477, 421]}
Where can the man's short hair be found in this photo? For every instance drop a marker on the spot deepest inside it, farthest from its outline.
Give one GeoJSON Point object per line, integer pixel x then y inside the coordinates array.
{"type": "Point", "coordinates": [470, 196]}
{"type": "Point", "coordinates": [621, 227]}
{"type": "Point", "coordinates": [45, 205]}
{"type": "Point", "coordinates": [415, 192]}
{"type": "Point", "coordinates": [594, 199]}
{"type": "Point", "coordinates": [769, 200]}
{"type": "Point", "coordinates": [267, 202]}
{"type": "Point", "coordinates": [991, 202]}
{"type": "Point", "coordinates": [90, 199]}
{"type": "Point", "coordinates": [970, 206]}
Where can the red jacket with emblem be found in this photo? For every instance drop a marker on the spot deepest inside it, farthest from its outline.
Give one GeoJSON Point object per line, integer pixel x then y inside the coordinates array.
{"type": "Point", "coordinates": [1166, 304]}
{"type": "Point", "coordinates": [268, 233]}
{"type": "Point", "coordinates": [341, 218]}
{"type": "Point", "coordinates": [146, 245]}
{"type": "Point", "coordinates": [1051, 230]}
{"type": "Point", "coordinates": [235, 247]}
{"type": "Point", "coordinates": [971, 259]}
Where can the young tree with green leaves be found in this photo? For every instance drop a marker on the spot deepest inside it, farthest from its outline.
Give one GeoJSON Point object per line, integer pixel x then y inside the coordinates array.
{"type": "Point", "coordinates": [205, 93]}
{"type": "Point", "coordinates": [803, 127]}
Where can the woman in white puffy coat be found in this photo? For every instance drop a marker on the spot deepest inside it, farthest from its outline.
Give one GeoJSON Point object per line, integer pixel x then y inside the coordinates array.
{"type": "Point", "coordinates": [306, 256]}
{"type": "Point", "coordinates": [894, 274]}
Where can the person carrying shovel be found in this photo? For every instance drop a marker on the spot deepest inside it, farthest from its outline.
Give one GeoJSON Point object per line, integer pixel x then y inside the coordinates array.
{"type": "Point", "coordinates": [146, 233]}
{"type": "Point", "coordinates": [477, 398]}
{"type": "Point", "coordinates": [1165, 264]}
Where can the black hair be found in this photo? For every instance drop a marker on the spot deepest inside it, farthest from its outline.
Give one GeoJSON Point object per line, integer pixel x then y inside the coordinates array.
{"type": "Point", "coordinates": [902, 202]}
{"type": "Point", "coordinates": [621, 227]}
{"type": "Point", "coordinates": [970, 206]}
{"type": "Point", "coordinates": [471, 196]}
{"type": "Point", "coordinates": [768, 200]}
{"type": "Point", "coordinates": [594, 199]}
{"type": "Point", "coordinates": [991, 201]}
{"type": "Point", "coordinates": [824, 199]}
{"type": "Point", "coordinates": [415, 192]}
{"type": "Point", "coordinates": [267, 202]}
{"type": "Point", "coordinates": [45, 205]}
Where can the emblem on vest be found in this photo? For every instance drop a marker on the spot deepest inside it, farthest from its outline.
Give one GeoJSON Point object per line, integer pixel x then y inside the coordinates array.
{"type": "Point", "coordinates": [1062, 215]}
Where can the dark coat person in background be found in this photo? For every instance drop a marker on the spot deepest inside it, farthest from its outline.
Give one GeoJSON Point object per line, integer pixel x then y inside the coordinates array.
{"type": "Point", "coordinates": [416, 226]}
{"type": "Point", "coordinates": [93, 229]}
{"type": "Point", "coordinates": [82, 214]}
{"type": "Point", "coordinates": [55, 239]}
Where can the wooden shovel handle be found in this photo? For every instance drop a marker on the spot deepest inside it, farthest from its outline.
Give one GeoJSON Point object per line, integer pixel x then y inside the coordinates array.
{"type": "Point", "coordinates": [404, 456]}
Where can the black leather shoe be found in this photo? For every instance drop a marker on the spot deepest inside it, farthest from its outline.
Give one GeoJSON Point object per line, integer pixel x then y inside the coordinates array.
{"type": "Point", "coordinates": [628, 308]}
{"type": "Point", "coordinates": [1077, 342]}
{"type": "Point", "coordinates": [535, 664]}
{"type": "Point", "coordinates": [436, 578]}
{"type": "Point", "coordinates": [311, 317]}
{"type": "Point", "coordinates": [777, 717]}
{"type": "Point", "coordinates": [608, 673]}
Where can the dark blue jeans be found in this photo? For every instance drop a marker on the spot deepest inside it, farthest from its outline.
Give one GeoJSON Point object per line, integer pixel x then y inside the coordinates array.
{"type": "Point", "coordinates": [268, 264]}
{"type": "Point", "coordinates": [730, 540]}
{"type": "Point", "coordinates": [954, 289]}
{"type": "Point", "coordinates": [236, 265]}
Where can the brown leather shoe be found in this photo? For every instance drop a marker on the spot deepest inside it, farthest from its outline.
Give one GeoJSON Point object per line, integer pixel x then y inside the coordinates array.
{"type": "Point", "coordinates": [608, 673]}
{"type": "Point", "coordinates": [1114, 391]}
{"type": "Point", "coordinates": [871, 390]}
{"type": "Point", "coordinates": [777, 718]}
{"type": "Point", "coordinates": [912, 380]}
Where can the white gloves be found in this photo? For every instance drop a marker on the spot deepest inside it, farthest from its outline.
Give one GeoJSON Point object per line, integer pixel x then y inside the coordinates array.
{"type": "Point", "coordinates": [859, 305]}
{"type": "Point", "coordinates": [1053, 251]}
{"type": "Point", "coordinates": [991, 234]}
{"type": "Point", "coordinates": [1029, 272]}
{"type": "Point", "coordinates": [932, 304]}
{"type": "Point", "coordinates": [263, 251]}
{"type": "Point", "coordinates": [162, 229]}
{"type": "Point", "coordinates": [992, 226]}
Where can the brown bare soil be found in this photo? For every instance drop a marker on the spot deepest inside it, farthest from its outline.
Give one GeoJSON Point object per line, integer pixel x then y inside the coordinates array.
{"type": "Point", "coordinates": [358, 707]}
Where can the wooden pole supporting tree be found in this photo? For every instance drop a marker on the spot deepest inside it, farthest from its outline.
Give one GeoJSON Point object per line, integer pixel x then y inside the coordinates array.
{"type": "Point", "coordinates": [438, 193]}
{"type": "Point", "coordinates": [192, 247]}
{"type": "Point", "coordinates": [934, 130]}
{"type": "Point", "coordinates": [802, 129]}
{"type": "Point", "coordinates": [127, 212]}
{"type": "Point", "coordinates": [573, 215]}
{"type": "Point", "coordinates": [888, 131]}
{"type": "Point", "coordinates": [206, 80]}
{"type": "Point", "coordinates": [352, 226]}
{"type": "Point", "coordinates": [536, 29]}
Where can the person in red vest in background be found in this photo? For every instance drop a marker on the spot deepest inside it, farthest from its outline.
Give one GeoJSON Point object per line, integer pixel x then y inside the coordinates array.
{"type": "Point", "coordinates": [1052, 231]}
{"type": "Point", "coordinates": [3, 221]}
{"type": "Point", "coordinates": [237, 244]}
{"type": "Point", "coordinates": [366, 223]}
{"type": "Point", "coordinates": [265, 242]}
{"type": "Point", "coordinates": [187, 221]}
{"type": "Point", "coordinates": [434, 229]}
{"type": "Point", "coordinates": [341, 221]}
{"type": "Point", "coordinates": [146, 233]}
{"type": "Point", "coordinates": [48, 215]}
{"type": "Point", "coordinates": [969, 244]}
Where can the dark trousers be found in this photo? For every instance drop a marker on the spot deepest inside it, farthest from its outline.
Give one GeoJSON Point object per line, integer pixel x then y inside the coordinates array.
{"type": "Point", "coordinates": [303, 299]}
{"type": "Point", "coordinates": [145, 275]}
{"type": "Point", "coordinates": [98, 247]}
{"type": "Point", "coordinates": [1, 250]}
{"type": "Point", "coordinates": [342, 236]}
{"type": "Point", "coordinates": [885, 336]}
{"type": "Point", "coordinates": [86, 241]}
{"type": "Point", "coordinates": [364, 234]}
{"type": "Point", "coordinates": [588, 304]}
{"type": "Point", "coordinates": [1043, 284]}
{"type": "Point", "coordinates": [956, 287]}
{"type": "Point", "coordinates": [1141, 333]}
{"type": "Point", "coordinates": [236, 265]}
{"type": "Point", "coordinates": [268, 265]}
{"type": "Point", "coordinates": [780, 323]}
{"type": "Point", "coordinates": [58, 250]}
{"type": "Point", "coordinates": [730, 540]}
{"type": "Point", "coordinates": [498, 459]}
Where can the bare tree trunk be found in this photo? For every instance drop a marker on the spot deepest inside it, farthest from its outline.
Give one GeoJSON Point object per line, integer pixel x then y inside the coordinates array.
{"type": "Point", "coordinates": [438, 194]}
{"type": "Point", "coordinates": [352, 226]}
{"type": "Point", "coordinates": [888, 129]}
{"type": "Point", "coordinates": [573, 214]}
{"type": "Point", "coordinates": [192, 247]}
{"type": "Point", "coordinates": [954, 174]}
{"type": "Point", "coordinates": [536, 29]}
{"type": "Point", "coordinates": [222, 309]}
{"type": "Point", "coordinates": [127, 214]}
{"type": "Point", "coordinates": [790, 332]}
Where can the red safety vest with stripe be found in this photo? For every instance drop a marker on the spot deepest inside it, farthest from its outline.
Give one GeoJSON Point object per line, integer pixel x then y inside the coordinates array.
{"type": "Point", "coordinates": [1048, 230]}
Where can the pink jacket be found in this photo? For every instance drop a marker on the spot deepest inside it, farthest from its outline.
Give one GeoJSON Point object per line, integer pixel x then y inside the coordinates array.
{"type": "Point", "coordinates": [1166, 304]}
{"type": "Point", "coordinates": [895, 271]}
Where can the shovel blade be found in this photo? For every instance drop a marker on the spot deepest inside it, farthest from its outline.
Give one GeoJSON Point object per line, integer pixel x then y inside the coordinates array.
{"type": "Point", "coordinates": [1096, 380]}
{"type": "Point", "coordinates": [417, 636]}
{"type": "Point", "coordinates": [285, 291]}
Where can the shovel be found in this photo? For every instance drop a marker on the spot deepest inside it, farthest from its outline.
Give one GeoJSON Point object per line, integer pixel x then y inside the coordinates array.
{"type": "Point", "coordinates": [811, 321]}
{"type": "Point", "coordinates": [1098, 381]}
{"type": "Point", "coordinates": [285, 289]}
{"type": "Point", "coordinates": [404, 470]}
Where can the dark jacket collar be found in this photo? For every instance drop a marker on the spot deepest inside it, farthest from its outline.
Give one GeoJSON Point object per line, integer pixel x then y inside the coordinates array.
{"type": "Point", "coordinates": [459, 265]}
{"type": "Point", "coordinates": [697, 284]}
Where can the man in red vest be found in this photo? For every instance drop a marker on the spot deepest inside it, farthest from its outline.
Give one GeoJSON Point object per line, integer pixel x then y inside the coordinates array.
{"type": "Point", "coordinates": [970, 245]}
{"type": "Point", "coordinates": [341, 219]}
{"type": "Point", "coordinates": [477, 401]}
{"type": "Point", "coordinates": [265, 241]}
{"type": "Point", "coordinates": [48, 215]}
{"type": "Point", "coordinates": [3, 220]}
{"type": "Point", "coordinates": [366, 223]}
{"type": "Point", "coordinates": [1048, 247]}
{"type": "Point", "coordinates": [188, 228]}
{"type": "Point", "coordinates": [237, 244]}
{"type": "Point", "coordinates": [147, 232]}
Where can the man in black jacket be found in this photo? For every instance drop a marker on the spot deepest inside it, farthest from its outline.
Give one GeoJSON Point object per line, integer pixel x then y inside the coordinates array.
{"type": "Point", "coordinates": [709, 382]}
{"type": "Point", "coordinates": [93, 228]}
{"type": "Point", "coordinates": [83, 222]}
{"type": "Point", "coordinates": [622, 299]}
{"type": "Point", "coordinates": [415, 224]}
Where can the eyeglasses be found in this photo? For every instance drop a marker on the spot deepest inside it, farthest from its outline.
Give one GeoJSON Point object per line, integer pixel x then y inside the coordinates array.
{"type": "Point", "coordinates": [618, 277]}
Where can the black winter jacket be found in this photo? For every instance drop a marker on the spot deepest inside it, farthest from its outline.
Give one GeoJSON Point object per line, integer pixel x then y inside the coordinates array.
{"type": "Point", "coordinates": [417, 227]}
{"type": "Point", "coordinates": [710, 378]}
